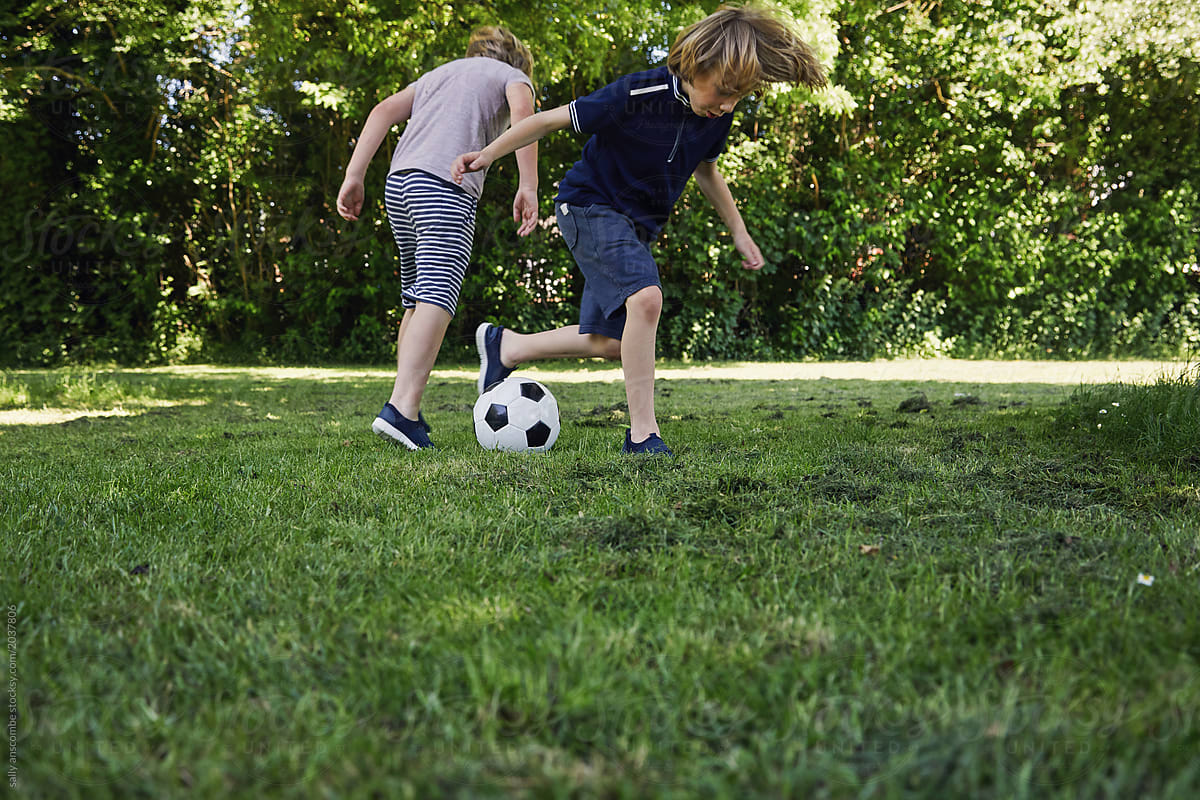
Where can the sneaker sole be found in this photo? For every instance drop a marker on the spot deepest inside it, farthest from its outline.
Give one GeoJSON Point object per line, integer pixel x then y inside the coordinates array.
{"type": "Point", "coordinates": [388, 431]}
{"type": "Point", "coordinates": [481, 348]}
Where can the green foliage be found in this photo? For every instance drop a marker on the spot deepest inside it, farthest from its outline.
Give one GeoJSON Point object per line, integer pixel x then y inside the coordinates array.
{"type": "Point", "coordinates": [1001, 177]}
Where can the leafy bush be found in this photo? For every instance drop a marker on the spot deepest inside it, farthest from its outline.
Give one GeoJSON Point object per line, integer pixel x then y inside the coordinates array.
{"type": "Point", "coordinates": [1011, 178]}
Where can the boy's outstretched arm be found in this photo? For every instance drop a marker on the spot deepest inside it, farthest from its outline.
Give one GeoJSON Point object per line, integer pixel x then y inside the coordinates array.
{"type": "Point", "coordinates": [713, 186]}
{"type": "Point", "coordinates": [388, 112]}
{"type": "Point", "coordinates": [525, 203]}
{"type": "Point", "coordinates": [525, 132]}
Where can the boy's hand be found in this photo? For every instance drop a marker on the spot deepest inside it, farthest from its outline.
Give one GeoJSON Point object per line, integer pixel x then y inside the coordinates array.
{"type": "Point", "coordinates": [350, 199]}
{"type": "Point", "coordinates": [469, 162]}
{"type": "Point", "coordinates": [752, 257]}
{"type": "Point", "coordinates": [525, 210]}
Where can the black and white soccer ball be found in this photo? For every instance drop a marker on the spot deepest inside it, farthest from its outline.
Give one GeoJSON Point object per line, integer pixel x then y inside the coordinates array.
{"type": "Point", "coordinates": [517, 414]}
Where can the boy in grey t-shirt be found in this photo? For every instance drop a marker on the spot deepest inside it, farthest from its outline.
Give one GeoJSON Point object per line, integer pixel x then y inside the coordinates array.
{"type": "Point", "coordinates": [458, 107]}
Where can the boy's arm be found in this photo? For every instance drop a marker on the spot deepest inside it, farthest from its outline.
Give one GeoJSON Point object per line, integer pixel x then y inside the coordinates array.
{"type": "Point", "coordinates": [712, 185]}
{"type": "Point", "coordinates": [525, 204]}
{"type": "Point", "coordinates": [527, 131]}
{"type": "Point", "coordinates": [388, 112]}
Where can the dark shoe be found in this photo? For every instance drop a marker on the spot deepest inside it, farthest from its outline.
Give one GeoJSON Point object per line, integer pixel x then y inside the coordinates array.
{"type": "Point", "coordinates": [424, 425]}
{"type": "Point", "coordinates": [487, 342]}
{"type": "Point", "coordinates": [652, 445]}
{"type": "Point", "coordinates": [391, 424]}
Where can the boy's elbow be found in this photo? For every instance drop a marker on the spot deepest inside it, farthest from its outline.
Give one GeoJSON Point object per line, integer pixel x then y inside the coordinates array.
{"type": "Point", "coordinates": [556, 119]}
{"type": "Point", "coordinates": [390, 113]}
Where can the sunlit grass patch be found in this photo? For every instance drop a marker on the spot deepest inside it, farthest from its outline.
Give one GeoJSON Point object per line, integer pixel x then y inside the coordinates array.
{"type": "Point", "coordinates": [14, 393]}
{"type": "Point", "coordinates": [73, 388]}
{"type": "Point", "coordinates": [1159, 420]}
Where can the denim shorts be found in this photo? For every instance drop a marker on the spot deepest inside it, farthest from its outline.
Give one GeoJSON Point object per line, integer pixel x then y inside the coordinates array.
{"type": "Point", "coordinates": [614, 256]}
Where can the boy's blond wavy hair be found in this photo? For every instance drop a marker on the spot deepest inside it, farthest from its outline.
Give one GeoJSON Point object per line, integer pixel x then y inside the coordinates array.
{"type": "Point", "coordinates": [499, 43]}
{"type": "Point", "coordinates": [746, 46]}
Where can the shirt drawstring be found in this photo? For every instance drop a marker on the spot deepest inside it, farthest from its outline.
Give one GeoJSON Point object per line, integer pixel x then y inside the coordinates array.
{"type": "Point", "coordinates": [678, 136]}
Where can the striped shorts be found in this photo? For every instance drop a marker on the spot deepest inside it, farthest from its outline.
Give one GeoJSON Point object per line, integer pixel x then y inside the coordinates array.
{"type": "Point", "coordinates": [434, 224]}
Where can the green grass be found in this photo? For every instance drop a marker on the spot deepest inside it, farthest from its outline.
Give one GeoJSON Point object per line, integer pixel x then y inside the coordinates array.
{"type": "Point", "coordinates": [1160, 421]}
{"type": "Point", "coordinates": [235, 589]}
{"type": "Point", "coordinates": [71, 388]}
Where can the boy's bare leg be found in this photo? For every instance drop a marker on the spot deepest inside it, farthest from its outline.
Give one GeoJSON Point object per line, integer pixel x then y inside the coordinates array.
{"type": "Point", "coordinates": [635, 349]}
{"type": "Point", "coordinates": [408, 312]}
{"type": "Point", "coordinates": [420, 338]}
{"type": "Point", "coordinates": [517, 348]}
{"type": "Point", "coordinates": [642, 310]}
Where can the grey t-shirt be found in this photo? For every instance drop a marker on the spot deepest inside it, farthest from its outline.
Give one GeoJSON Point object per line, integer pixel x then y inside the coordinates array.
{"type": "Point", "coordinates": [458, 108]}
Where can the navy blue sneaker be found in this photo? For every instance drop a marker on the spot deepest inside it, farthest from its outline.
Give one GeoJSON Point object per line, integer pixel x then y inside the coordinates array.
{"type": "Point", "coordinates": [652, 445]}
{"type": "Point", "coordinates": [421, 421]}
{"type": "Point", "coordinates": [487, 342]}
{"type": "Point", "coordinates": [391, 424]}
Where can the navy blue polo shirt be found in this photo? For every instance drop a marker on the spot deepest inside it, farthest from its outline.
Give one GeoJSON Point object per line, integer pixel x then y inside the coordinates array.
{"type": "Point", "coordinates": [646, 142]}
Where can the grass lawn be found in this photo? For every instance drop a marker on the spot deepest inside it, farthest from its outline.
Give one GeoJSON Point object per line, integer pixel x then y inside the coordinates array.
{"type": "Point", "coordinates": [230, 587]}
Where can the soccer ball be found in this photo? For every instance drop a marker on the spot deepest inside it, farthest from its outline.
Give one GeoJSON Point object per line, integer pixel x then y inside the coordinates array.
{"type": "Point", "coordinates": [516, 414]}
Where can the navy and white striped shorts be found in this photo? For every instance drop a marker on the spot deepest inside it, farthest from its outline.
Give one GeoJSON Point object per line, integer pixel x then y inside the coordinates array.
{"type": "Point", "coordinates": [434, 224]}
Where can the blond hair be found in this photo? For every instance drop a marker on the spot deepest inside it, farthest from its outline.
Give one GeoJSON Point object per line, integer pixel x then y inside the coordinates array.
{"type": "Point", "coordinates": [746, 46]}
{"type": "Point", "coordinates": [493, 41]}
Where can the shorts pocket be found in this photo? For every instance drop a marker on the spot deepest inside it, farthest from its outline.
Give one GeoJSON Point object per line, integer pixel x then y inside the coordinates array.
{"type": "Point", "coordinates": [567, 225]}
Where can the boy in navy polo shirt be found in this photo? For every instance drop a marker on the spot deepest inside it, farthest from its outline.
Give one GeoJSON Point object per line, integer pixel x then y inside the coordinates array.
{"type": "Point", "coordinates": [650, 131]}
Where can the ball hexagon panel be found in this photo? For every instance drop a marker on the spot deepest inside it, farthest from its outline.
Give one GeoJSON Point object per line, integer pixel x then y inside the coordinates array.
{"type": "Point", "coordinates": [506, 391]}
{"type": "Point", "coordinates": [511, 439]}
{"type": "Point", "coordinates": [485, 435]}
{"type": "Point", "coordinates": [523, 413]}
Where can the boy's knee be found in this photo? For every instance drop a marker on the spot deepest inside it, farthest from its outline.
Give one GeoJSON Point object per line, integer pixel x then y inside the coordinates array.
{"type": "Point", "coordinates": [646, 303]}
{"type": "Point", "coordinates": [606, 347]}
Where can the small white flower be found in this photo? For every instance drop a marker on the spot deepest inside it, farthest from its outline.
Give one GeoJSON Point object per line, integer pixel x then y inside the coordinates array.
{"type": "Point", "coordinates": [1116, 405]}
{"type": "Point", "coordinates": [1104, 411]}
{"type": "Point", "coordinates": [1145, 580]}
